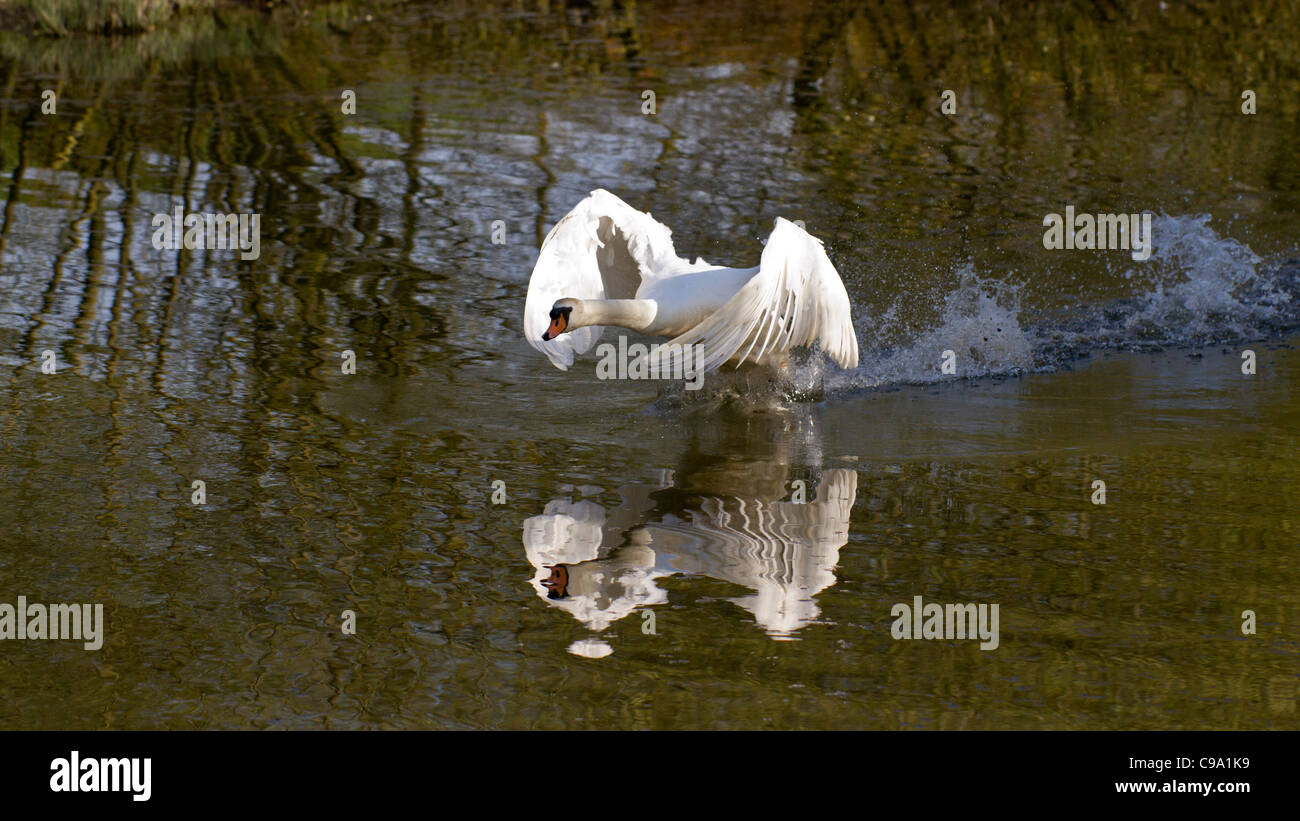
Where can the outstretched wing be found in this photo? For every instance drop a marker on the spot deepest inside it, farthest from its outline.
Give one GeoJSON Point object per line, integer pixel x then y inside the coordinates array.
{"type": "Point", "coordinates": [796, 299]}
{"type": "Point", "coordinates": [603, 249]}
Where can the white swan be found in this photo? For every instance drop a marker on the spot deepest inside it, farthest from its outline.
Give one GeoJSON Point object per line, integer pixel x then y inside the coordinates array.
{"type": "Point", "coordinates": [606, 263]}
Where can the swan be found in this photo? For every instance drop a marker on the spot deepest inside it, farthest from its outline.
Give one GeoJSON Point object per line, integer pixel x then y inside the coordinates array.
{"type": "Point", "coordinates": [606, 263]}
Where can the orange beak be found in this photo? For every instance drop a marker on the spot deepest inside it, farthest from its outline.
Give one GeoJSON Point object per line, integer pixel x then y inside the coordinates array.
{"type": "Point", "coordinates": [558, 324]}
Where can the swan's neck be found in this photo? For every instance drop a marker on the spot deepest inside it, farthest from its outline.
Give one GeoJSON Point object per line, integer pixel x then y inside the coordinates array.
{"type": "Point", "coordinates": [635, 314]}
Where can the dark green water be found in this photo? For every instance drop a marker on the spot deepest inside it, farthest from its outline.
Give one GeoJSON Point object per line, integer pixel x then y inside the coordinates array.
{"type": "Point", "coordinates": [372, 492]}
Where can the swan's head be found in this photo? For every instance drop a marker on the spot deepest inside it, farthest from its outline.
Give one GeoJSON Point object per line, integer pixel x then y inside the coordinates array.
{"type": "Point", "coordinates": [561, 318]}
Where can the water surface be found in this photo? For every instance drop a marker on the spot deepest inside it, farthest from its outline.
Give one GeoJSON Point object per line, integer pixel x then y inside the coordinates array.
{"type": "Point", "coordinates": [373, 492]}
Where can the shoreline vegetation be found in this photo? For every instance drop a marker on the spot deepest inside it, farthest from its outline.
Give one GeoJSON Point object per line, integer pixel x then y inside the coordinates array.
{"type": "Point", "coordinates": [60, 18]}
{"type": "Point", "coordinates": [64, 18]}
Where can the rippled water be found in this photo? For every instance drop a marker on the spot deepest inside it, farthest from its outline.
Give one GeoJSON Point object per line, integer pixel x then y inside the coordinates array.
{"type": "Point", "coordinates": [651, 565]}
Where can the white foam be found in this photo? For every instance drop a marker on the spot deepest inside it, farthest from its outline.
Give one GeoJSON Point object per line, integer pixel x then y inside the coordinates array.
{"type": "Point", "coordinates": [1198, 288]}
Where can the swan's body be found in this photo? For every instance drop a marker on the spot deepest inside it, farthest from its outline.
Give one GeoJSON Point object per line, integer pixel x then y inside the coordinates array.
{"type": "Point", "coordinates": [606, 263]}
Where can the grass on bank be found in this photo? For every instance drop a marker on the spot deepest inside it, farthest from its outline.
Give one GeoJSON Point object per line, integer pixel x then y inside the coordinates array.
{"type": "Point", "coordinates": [63, 17]}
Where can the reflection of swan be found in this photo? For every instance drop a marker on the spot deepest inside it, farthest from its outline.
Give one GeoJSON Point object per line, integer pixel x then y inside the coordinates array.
{"type": "Point", "coordinates": [600, 571]}
{"type": "Point", "coordinates": [606, 263]}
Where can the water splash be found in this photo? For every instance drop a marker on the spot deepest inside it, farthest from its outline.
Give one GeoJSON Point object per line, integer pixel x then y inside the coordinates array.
{"type": "Point", "coordinates": [979, 322]}
{"type": "Point", "coordinates": [1198, 289]}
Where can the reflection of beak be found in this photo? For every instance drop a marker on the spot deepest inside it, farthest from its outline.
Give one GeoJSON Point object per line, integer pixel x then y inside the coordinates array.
{"type": "Point", "coordinates": [556, 328]}
{"type": "Point", "coordinates": [557, 583]}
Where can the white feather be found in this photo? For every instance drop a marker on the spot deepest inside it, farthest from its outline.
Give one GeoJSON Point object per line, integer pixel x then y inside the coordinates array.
{"type": "Point", "coordinates": [606, 250]}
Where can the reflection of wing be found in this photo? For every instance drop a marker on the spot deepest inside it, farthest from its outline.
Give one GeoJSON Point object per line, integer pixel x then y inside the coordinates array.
{"type": "Point", "coordinates": [795, 299]}
{"type": "Point", "coordinates": [566, 533]}
{"type": "Point", "coordinates": [603, 249]}
{"type": "Point", "coordinates": [827, 519]}
{"type": "Point", "coordinates": [785, 552]}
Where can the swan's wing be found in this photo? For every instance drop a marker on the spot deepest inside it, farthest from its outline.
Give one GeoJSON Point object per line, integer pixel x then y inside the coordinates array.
{"type": "Point", "coordinates": [795, 299]}
{"type": "Point", "coordinates": [602, 249]}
